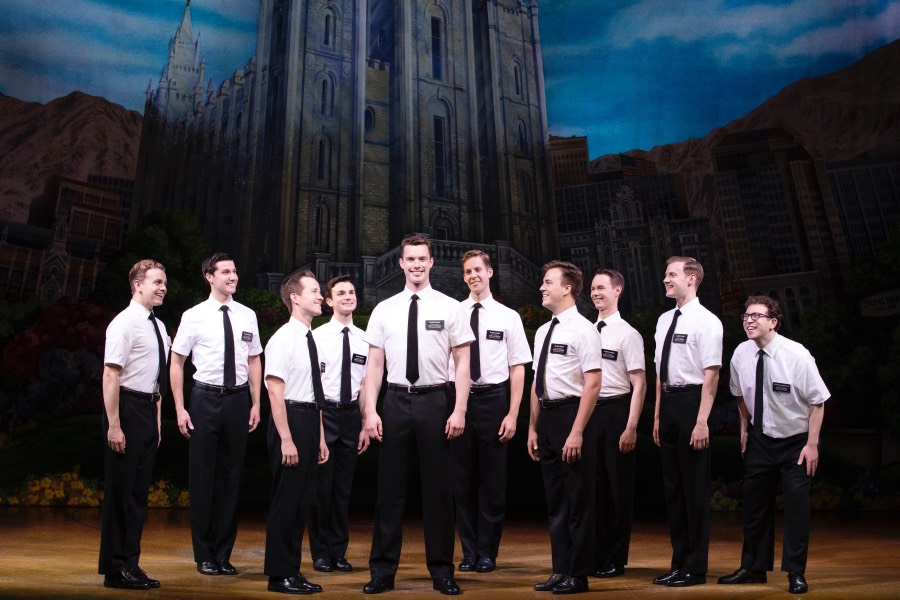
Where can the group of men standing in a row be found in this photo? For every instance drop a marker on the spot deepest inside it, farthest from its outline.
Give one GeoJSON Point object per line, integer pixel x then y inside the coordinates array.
{"type": "Point", "coordinates": [455, 377]}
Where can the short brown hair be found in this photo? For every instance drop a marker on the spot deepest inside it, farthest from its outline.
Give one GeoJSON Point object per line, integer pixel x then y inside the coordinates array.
{"type": "Point", "coordinates": [209, 263]}
{"type": "Point", "coordinates": [292, 285]}
{"type": "Point", "coordinates": [615, 278]}
{"type": "Point", "coordinates": [336, 280]}
{"type": "Point", "coordinates": [772, 307]}
{"type": "Point", "coordinates": [571, 275]}
{"type": "Point", "coordinates": [476, 254]}
{"type": "Point", "coordinates": [139, 271]}
{"type": "Point", "coordinates": [415, 240]}
{"type": "Point", "coordinates": [691, 266]}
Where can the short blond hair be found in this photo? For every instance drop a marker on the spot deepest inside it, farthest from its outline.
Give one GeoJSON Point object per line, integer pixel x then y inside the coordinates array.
{"type": "Point", "coordinates": [139, 271]}
{"type": "Point", "coordinates": [293, 285]}
{"type": "Point", "coordinates": [691, 266]}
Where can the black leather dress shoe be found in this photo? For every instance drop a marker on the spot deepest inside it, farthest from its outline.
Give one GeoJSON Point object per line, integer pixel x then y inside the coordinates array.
{"type": "Point", "coordinates": [797, 583]}
{"type": "Point", "coordinates": [293, 585]}
{"type": "Point", "coordinates": [571, 585]}
{"type": "Point", "coordinates": [467, 564]}
{"type": "Point", "coordinates": [485, 564]}
{"type": "Point", "coordinates": [666, 577]}
{"type": "Point", "coordinates": [743, 576]}
{"type": "Point", "coordinates": [687, 580]}
{"type": "Point", "coordinates": [341, 564]}
{"type": "Point", "coordinates": [226, 568]}
{"type": "Point", "coordinates": [445, 585]}
{"type": "Point", "coordinates": [139, 573]}
{"type": "Point", "coordinates": [125, 579]}
{"type": "Point", "coordinates": [323, 565]}
{"type": "Point", "coordinates": [378, 585]}
{"type": "Point", "coordinates": [208, 567]}
{"type": "Point", "coordinates": [609, 570]}
{"type": "Point", "coordinates": [546, 586]}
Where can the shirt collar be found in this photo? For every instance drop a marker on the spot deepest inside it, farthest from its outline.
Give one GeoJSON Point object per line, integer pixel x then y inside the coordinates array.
{"type": "Point", "coordinates": [616, 316]}
{"type": "Point", "coordinates": [688, 307]}
{"type": "Point", "coordinates": [773, 346]}
{"type": "Point", "coordinates": [568, 314]}
{"type": "Point", "coordinates": [469, 303]}
{"type": "Point", "coordinates": [216, 304]}
{"type": "Point", "coordinates": [298, 326]}
{"type": "Point", "coordinates": [137, 306]}
{"type": "Point", "coordinates": [407, 293]}
{"type": "Point", "coordinates": [338, 325]}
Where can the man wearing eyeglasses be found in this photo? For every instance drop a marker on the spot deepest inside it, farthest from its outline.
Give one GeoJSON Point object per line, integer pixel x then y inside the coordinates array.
{"type": "Point", "coordinates": [688, 356]}
{"type": "Point", "coordinates": [780, 428]}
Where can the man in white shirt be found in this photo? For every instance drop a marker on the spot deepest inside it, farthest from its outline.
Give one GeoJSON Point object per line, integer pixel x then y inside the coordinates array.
{"type": "Point", "coordinates": [616, 418]}
{"type": "Point", "coordinates": [781, 398]}
{"type": "Point", "coordinates": [497, 360]}
{"type": "Point", "coordinates": [421, 416]}
{"type": "Point", "coordinates": [560, 433]}
{"type": "Point", "coordinates": [688, 357]}
{"type": "Point", "coordinates": [294, 438]}
{"type": "Point", "coordinates": [222, 337]}
{"type": "Point", "coordinates": [135, 377]}
{"type": "Point", "coordinates": [342, 352]}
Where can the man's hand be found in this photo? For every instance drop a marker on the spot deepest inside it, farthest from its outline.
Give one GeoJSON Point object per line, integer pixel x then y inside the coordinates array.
{"type": "Point", "coordinates": [743, 442]}
{"type": "Point", "coordinates": [456, 424]}
{"type": "Point", "coordinates": [115, 437]}
{"type": "Point", "coordinates": [373, 427]}
{"type": "Point", "coordinates": [363, 444]}
{"type": "Point", "coordinates": [628, 440]}
{"type": "Point", "coordinates": [656, 431]}
{"type": "Point", "coordinates": [533, 445]}
{"type": "Point", "coordinates": [323, 452]}
{"type": "Point", "coordinates": [184, 423]}
{"type": "Point", "coordinates": [811, 455]}
{"type": "Point", "coordinates": [700, 436]}
{"type": "Point", "coordinates": [507, 428]}
{"type": "Point", "coordinates": [289, 456]}
{"type": "Point", "coordinates": [572, 449]}
{"type": "Point", "coordinates": [254, 416]}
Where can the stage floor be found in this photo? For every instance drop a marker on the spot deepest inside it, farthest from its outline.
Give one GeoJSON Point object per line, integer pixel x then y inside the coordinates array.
{"type": "Point", "coordinates": [52, 553]}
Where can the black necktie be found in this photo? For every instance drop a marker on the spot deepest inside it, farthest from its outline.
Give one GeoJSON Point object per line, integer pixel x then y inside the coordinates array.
{"type": "Point", "coordinates": [345, 368]}
{"type": "Point", "coordinates": [315, 368]}
{"type": "Point", "coordinates": [474, 349]}
{"type": "Point", "coordinates": [600, 326]}
{"type": "Point", "coordinates": [760, 386]}
{"type": "Point", "coordinates": [229, 378]}
{"type": "Point", "coordinates": [667, 347]}
{"type": "Point", "coordinates": [412, 342]}
{"type": "Point", "coordinates": [162, 378]}
{"type": "Point", "coordinates": [542, 361]}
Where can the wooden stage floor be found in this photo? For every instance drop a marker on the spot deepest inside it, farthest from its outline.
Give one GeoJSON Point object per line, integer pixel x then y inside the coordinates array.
{"type": "Point", "coordinates": [52, 553]}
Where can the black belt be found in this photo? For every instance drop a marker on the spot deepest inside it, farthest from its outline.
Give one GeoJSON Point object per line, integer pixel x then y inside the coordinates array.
{"type": "Point", "coordinates": [337, 404]}
{"type": "Point", "coordinates": [148, 397]}
{"type": "Point", "coordinates": [678, 389]}
{"type": "Point", "coordinates": [477, 388]}
{"type": "Point", "coordinates": [298, 405]}
{"type": "Point", "coordinates": [221, 389]}
{"type": "Point", "coordinates": [417, 389]}
{"type": "Point", "coordinates": [616, 398]}
{"type": "Point", "coordinates": [551, 404]}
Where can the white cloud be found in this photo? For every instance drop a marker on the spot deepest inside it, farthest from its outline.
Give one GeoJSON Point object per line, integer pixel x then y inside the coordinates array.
{"type": "Point", "coordinates": [851, 37]}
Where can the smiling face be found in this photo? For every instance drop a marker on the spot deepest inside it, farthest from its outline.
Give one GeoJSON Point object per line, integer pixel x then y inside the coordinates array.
{"type": "Point", "coordinates": [151, 290]}
{"type": "Point", "coordinates": [763, 329]}
{"type": "Point", "coordinates": [416, 262]}
{"type": "Point", "coordinates": [309, 300]}
{"type": "Point", "coordinates": [679, 285]}
{"type": "Point", "coordinates": [223, 281]}
{"type": "Point", "coordinates": [556, 296]}
{"type": "Point", "coordinates": [342, 299]}
{"type": "Point", "coordinates": [605, 295]}
{"type": "Point", "coordinates": [477, 276]}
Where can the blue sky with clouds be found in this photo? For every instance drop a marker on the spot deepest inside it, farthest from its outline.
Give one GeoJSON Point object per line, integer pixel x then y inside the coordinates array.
{"type": "Point", "coordinates": [626, 73]}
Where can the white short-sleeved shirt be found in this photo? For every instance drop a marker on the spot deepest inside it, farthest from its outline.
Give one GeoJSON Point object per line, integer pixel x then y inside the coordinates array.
{"type": "Point", "coordinates": [623, 351]}
{"type": "Point", "coordinates": [287, 358]}
{"type": "Point", "coordinates": [574, 349]}
{"type": "Point", "coordinates": [696, 343]}
{"type": "Point", "coordinates": [442, 325]}
{"type": "Point", "coordinates": [202, 335]}
{"type": "Point", "coordinates": [330, 344]}
{"type": "Point", "coordinates": [501, 340]}
{"type": "Point", "coordinates": [791, 384]}
{"type": "Point", "coordinates": [132, 345]}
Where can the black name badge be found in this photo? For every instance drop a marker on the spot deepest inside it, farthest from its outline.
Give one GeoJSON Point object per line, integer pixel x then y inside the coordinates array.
{"type": "Point", "coordinates": [679, 338]}
{"type": "Point", "coordinates": [434, 325]}
{"type": "Point", "coordinates": [559, 349]}
{"type": "Point", "coordinates": [784, 388]}
{"type": "Point", "coordinates": [610, 354]}
{"type": "Point", "coordinates": [322, 367]}
{"type": "Point", "coordinates": [494, 335]}
{"type": "Point", "coordinates": [246, 336]}
{"type": "Point", "coordinates": [359, 359]}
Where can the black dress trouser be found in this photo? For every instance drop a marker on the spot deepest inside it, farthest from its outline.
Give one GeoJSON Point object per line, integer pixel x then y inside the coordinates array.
{"type": "Point", "coordinates": [291, 491]}
{"type": "Point", "coordinates": [329, 519]}
{"type": "Point", "coordinates": [127, 483]}
{"type": "Point", "coordinates": [480, 470]}
{"type": "Point", "coordinates": [413, 425]}
{"type": "Point", "coordinates": [686, 483]}
{"type": "Point", "coordinates": [215, 460]}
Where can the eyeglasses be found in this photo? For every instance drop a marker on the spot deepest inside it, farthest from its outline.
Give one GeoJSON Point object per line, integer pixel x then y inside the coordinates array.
{"type": "Point", "coordinates": [753, 317]}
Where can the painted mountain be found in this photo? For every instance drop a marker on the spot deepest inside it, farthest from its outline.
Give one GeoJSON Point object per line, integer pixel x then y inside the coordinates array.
{"type": "Point", "coordinates": [74, 136]}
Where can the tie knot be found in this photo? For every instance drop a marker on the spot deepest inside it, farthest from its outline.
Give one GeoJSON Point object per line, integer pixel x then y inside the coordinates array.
{"type": "Point", "coordinates": [309, 335]}
{"type": "Point", "coordinates": [761, 353]}
{"type": "Point", "coordinates": [554, 321]}
{"type": "Point", "coordinates": [477, 305]}
{"type": "Point", "coordinates": [677, 312]}
{"type": "Point", "coordinates": [601, 325]}
{"type": "Point", "coordinates": [414, 297]}
{"type": "Point", "coordinates": [223, 308]}
{"type": "Point", "coordinates": [345, 330]}
{"type": "Point", "coordinates": [151, 316]}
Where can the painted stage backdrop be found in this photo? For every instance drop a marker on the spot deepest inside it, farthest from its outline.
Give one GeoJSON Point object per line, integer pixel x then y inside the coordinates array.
{"type": "Point", "coordinates": [761, 137]}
